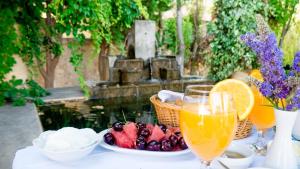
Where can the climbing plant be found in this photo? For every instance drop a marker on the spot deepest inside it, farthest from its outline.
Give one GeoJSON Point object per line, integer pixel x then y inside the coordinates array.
{"type": "Point", "coordinates": [107, 21]}
{"type": "Point", "coordinates": [8, 38]}
{"type": "Point", "coordinates": [232, 19]}
{"type": "Point", "coordinates": [40, 38]}
{"type": "Point", "coordinates": [14, 90]}
{"type": "Point", "coordinates": [41, 24]}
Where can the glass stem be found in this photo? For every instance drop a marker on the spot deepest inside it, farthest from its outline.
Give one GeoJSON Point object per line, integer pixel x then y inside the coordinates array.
{"type": "Point", "coordinates": [205, 165]}
{"type": "Point", "coordinates": [261, 142]}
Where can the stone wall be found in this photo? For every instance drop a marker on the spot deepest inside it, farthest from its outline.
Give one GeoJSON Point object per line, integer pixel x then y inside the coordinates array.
{"type": "Point", "coordinates": [143, 89]}
{"type": "Point", "coordinates": [64, 73]}
{"type": "Point", "coordinates": [19, 69]}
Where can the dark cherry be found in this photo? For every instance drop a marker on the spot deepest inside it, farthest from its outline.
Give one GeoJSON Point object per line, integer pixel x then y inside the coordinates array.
{"type": "Point", "coordinates": [182, 143]}
{"type": "Point", "coordinates": [178, 133]}
{"type": "Point", "coordinates": [174, 140]}
{"type": "Point", "coordinates": [153, 146]}
{"type": "Point", "coordinates": [109, 139]}
{"type": "Point", "coordinates": [118, 126]}
{"type": "Point", "coordinates": [141, 138]}
{"type": "Point", "coordinates": [145, 132]}
{"type": "Point", "coordinates": [140, 125]}
{"type": "Point", "coordinates": [163, 127]}
{"type": "Point", "coordinates": [166, 145]}
{"type": "Point", "coordinates": [141, 144]}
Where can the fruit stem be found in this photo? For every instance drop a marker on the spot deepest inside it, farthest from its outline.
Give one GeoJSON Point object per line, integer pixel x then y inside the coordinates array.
{"type": "Point", "coordinates": [124, 116]}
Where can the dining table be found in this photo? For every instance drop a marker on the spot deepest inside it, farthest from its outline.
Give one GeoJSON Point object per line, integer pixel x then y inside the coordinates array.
{"type": "Point", "coordinates": [101, 158]}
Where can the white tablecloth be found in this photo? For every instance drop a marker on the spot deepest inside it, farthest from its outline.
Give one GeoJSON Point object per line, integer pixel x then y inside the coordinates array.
{"type": "Point", "coordinates": [100, 158]}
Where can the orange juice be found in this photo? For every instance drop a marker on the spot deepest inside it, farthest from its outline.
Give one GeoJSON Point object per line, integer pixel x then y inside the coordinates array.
{"type": "Point", "coordinates": [262, 114]}
{"type": "Point", "coordinates": [208, 135]}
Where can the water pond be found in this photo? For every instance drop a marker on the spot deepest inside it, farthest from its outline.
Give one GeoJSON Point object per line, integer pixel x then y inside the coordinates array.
{"type": "Point", "coordinates": [96, 114]}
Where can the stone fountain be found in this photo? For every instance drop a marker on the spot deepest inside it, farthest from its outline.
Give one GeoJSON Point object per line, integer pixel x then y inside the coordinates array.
{"type": "Point", "coordinates": [143, 74]}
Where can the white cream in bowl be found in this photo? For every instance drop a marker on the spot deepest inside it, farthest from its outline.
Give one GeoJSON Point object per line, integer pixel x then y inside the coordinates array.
{"type": "Point", "coordinates": [66, 144]}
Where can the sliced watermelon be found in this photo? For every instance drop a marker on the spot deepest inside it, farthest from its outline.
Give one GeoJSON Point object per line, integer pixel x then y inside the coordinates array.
{"type": "Point", "coordinates": [122, 140]}
{"type": "Point", "coordinates": [174, 129]}
{"type": "Point", "coordinates": [131, 130]}
{"type": "Point", "coordinates": [157, 134]}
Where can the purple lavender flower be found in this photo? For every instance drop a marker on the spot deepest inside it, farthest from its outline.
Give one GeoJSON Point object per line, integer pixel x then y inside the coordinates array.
{"type": "Point", "coordinates": [295, 102]}
{"type": "Point", "coordinates": [266, 89]}
{"type": "Point", "coordinates": [292, 74]}
{"type": "Point", "coordinates": [271, 60]}
{"type": "Point", "coordinates": [296, 64]}
{"type": "Point", "coordinates": [282, 89]}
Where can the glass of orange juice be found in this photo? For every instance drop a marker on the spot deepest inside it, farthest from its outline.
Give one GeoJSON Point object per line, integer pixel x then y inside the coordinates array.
{"type": "Point", "coordinates": [207, 122]}
{"type": "Point", "coordinates": [263, 117]}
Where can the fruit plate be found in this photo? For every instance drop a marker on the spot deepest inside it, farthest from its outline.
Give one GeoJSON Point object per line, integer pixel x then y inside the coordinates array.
{"type": "Point", "coordinates": [139, 152]}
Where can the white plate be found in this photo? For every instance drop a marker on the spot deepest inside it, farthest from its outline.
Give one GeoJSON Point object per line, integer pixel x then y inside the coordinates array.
{"type": "Point", "coordinates": [139, 152]}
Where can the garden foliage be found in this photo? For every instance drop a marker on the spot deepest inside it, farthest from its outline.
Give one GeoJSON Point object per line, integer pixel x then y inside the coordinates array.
{"type": "Point", "coordinates": [169, 40]}
{"type": "Point", "coordinates": [232, 19]}
{"type": "Point", "coordinates": [14, 90]}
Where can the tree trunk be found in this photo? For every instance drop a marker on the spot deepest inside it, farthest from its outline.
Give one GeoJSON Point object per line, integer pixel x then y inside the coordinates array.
{"type": "Point", "coordinates": [161, 34]}
{"type": "Point", "coordinates": [179, 20]}
{"type": "Point", "coordinates": [51, 63]}
{"type": "Point", "coordinates": [286, 28]}
{"type": "Point", "coordinates": [103, 64]}
{"type": "Point", "coordinates": [196, 38]}
{"type": "Point", "coordinates": [48, 73]}
{"type": "Point", "coordinates": [284, 31]}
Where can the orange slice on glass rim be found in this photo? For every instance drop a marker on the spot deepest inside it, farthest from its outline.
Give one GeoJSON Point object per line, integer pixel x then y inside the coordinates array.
{"type": "Point", "coordinates": [257, 75]}
{"type": "Point", "coordinates": [243, 96]}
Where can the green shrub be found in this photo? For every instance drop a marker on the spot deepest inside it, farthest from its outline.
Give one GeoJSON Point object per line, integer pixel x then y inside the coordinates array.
{"type": "Point", "coordinates": [17, 92]}
{"type": "Point", "coordinates": [170, 35]}
{"type": "Point", "coordinates": [233, 18]}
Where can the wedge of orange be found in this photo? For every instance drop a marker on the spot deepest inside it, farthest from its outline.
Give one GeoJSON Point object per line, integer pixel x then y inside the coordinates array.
{"type": "Point", "coordinates": [242, 95]}
{"type": "Point", "coordinates": [257, 75]}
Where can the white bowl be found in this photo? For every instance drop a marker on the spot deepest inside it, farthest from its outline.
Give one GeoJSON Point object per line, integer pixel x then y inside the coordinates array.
{"type": "Point", "coordinates": [238, 163]}
{"type": "Point", "coordinates": [65, 155]}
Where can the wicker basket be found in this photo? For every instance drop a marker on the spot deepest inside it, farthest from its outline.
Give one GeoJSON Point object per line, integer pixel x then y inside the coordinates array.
{"type": "Point", "coordinates": [168, 114]}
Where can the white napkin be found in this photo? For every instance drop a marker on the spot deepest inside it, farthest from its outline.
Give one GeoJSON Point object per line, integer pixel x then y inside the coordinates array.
{"type": "Point", "coordinates": [167, 95]}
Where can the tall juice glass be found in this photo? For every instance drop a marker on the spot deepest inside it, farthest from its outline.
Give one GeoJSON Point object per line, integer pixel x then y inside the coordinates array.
{"type": "Point", "coordinates": [263, 117]}
{"type": "Point", "coordinates": [207, 122]}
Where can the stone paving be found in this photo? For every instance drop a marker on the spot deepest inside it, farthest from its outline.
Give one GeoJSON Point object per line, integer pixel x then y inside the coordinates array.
{"type": "Point", "coordinates": [18, 127]}
{"type": "Point", "coordinates": [64, 94]}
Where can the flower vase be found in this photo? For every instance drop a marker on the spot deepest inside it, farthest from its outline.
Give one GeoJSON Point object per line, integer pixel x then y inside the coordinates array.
{"type": "Point", "coordinates": [296, 130]}
{"type": "Point", "coordinates": [281, 154]}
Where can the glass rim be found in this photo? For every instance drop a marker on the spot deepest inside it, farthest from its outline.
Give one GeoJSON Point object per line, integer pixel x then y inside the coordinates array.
{"type": "Point", "coordinates": [190, 88]}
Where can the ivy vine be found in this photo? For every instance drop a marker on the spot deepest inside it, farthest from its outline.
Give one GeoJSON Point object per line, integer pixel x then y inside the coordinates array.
{"type": "Point", "coordinates": [232, 19]}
